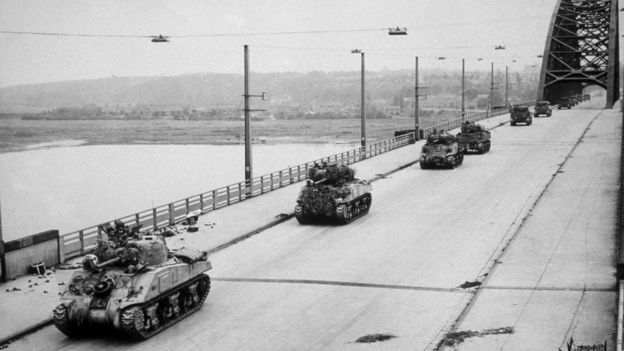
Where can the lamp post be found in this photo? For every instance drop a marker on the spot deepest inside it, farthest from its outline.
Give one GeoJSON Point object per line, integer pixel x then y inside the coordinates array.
{"type": "Point", "coordinates": [248, 162]}
{"type": "Point", "coordinates": [463, 87]}
{"type": "Point", "coordinates": [362, 100]}
{"type": "Point", "coordinates": [416, 106]}
{"type": "Point", "coordinates": [506, 86]}
{"type": "Point", "coordinates": [247, 110]}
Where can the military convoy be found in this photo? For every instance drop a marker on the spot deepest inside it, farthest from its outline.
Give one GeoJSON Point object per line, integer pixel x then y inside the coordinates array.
{"type": "Point", "coordinates": [473, 137]}
{"type": "Point", "coordinates": [441, 150]}
{"type": "Point", "coordinates": [132, 283]}
{"type": "Point", "coordinates": [333, 192]}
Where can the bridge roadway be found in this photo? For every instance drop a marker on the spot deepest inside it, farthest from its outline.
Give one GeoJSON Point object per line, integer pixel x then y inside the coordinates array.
{"type": "Point", "coordinates": [533, 220]}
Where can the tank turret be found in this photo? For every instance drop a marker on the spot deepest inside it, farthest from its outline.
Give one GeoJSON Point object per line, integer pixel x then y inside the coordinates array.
{"type": "Point", "coordinates": [134, 284]}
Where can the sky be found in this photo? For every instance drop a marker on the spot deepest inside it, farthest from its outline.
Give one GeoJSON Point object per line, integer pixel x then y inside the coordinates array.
{"type": "Point", "coordinates": [454, 29]}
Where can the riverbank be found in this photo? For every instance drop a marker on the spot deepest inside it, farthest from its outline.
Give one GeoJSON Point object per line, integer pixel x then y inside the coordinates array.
{"type": "Point", "coordinates": [21, 135]}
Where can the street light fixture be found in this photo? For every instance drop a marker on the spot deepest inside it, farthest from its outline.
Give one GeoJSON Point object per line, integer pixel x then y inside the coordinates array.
{"type": "Point", "coordinates": [160, 39]}
{"type": "Point", "coordinates": [397, 31]}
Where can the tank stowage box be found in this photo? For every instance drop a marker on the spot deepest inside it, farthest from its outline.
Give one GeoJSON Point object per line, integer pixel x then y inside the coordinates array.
{"type": "Point", "coordinates": [135, 285]}
{"type": "Point", "coordinates": [474, 137]}
{"type": "Point", "coordinates": [332, 191]}
{"type": "Point", "coordinates": [441, 150]}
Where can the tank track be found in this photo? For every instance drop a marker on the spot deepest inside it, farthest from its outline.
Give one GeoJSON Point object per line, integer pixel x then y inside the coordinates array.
{"type": "Point", "coordinates": [355, 209]}
{"type": "Point", "coordinates": [60, 316]}
{"type": "Point", "coordinates": [133, 318]}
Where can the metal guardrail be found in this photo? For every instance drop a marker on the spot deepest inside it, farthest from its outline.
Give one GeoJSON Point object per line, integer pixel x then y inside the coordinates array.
{"type": "Point", "coordinates": [471, 117]}
{"type": "Point", "coordinates": [79, 242]}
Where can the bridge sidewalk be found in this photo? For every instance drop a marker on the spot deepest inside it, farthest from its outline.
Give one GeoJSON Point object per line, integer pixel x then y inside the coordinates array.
{"type": "Point", "coordinates": [556, 280]}
{"type": "Point", "coordinates": [29, 300]}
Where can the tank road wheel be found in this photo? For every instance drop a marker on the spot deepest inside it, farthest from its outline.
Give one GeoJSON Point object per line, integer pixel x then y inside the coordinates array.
{"type": "Point", "coordinates": [366, 203]}
{"type": "Point", "coordinates": [529, 122]}
{"type": "Point", "coordinates": [343, 214]}
{"type": "Point", "coordinates": [487, 146]}
{"type": "Point", "coordinates": [132, 322]}
{"type": "Point", "coordinates": [423, 165]}
{"type": "Point", "coordinates": [461, 158]}
{"type": "Point", "coordinates": [62, 322]}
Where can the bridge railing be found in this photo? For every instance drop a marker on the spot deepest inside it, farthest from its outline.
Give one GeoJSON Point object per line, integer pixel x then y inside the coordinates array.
{"type": "Point", "coordinates": [79, 242]}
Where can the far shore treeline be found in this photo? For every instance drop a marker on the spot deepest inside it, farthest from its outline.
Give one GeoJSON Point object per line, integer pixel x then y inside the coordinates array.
{"type": "Point", "coordinates": [216, 96]}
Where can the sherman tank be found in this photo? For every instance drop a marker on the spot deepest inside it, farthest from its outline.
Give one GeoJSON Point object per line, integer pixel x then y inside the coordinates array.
{"type": "Point", "coordinates": [332, 191]}
{"type": "Point", "coordinates": [473, 137]}
{"type": "Point", "coordinates": [441, 150]}
{"type": "Point", "coordinates": [133, 284]}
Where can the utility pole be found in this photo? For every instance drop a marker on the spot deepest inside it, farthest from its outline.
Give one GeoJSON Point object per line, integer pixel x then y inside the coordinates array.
{"type": "Point", "coordinates": [416, 107]}
{"type": "Point", "coordinates": [248, 160]}
{"type": "Point", "coordinates": [246, 95]}
{"type": "Point", "coordinates": [506, 85]}
{"type": "Point", "coordinates": [363, 106]}
{"type": "Point", "coordinates": [489, 106]}
{"type": "Point", "coordinates": [2, 260]}
{"type": "Point", "coordinates": [463, 85]}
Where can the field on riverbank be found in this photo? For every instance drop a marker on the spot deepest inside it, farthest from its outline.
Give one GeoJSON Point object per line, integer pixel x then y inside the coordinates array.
{"type": "Point", "coordinates": [19, 135]}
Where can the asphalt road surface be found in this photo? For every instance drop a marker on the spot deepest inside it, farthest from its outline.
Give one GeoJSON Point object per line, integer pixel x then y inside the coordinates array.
{"type": "Point", "coordinates": [396, 271]}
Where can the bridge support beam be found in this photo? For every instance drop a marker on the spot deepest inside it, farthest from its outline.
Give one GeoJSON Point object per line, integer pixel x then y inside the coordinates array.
{"type": "Point", "coordinates": [582, 49]}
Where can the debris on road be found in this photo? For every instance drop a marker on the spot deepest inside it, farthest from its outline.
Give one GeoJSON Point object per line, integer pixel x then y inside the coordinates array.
{"type": "Point", "coordinates": [374, 338]}
{"type": "Point", "coordinates": [454, 339]}
{"type": "Point", "coordinates": [468, 284]}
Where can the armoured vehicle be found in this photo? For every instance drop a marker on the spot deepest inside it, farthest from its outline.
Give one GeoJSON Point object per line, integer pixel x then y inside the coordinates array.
{"type": "Point", "coordinates": [564, 102]}
{"type": "Point", "coordinates": [441, 150]}
{"type": "Point", "coordinates": [473, 137]}
{"type": "Point", "coordinates": [521, 114]}
{"type": "Point", "coordinates": [133, 284]}
{"type": "Point", "coordinates": [332, 191]}
{"type": "Point", "coordinates": [542, 108]}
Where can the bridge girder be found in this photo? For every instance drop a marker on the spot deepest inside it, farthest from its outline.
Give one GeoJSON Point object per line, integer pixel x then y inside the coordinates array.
{"type": "Point", "coordinates": [582, 49]}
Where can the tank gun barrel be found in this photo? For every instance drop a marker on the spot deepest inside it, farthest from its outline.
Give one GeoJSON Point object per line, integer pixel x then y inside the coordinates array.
{"type": "Point", "coordinates": [320, 181]}
{"type": "Point", "coordinates": [109, 262]}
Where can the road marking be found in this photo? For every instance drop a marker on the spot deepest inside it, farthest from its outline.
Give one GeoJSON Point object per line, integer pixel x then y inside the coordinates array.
{"type": "Point", "coordinates": [552, 288]}
{"type": "Point", "coordinates": [341, 283]}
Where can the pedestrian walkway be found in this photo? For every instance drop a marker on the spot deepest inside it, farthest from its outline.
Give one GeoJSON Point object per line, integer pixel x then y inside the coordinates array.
{"type": "Point", "coordinates": [556, 280]}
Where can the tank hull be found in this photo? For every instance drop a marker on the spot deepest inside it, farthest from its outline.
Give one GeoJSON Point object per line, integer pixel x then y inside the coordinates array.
{"type": "Point", "coordinates": [343, 204]}
{"type": "Point", "coordinates": [475, 142]}
{"type": "Point", "coordinates": [441, 156]}
{"type": "Point", "coordinates": [138, 301]}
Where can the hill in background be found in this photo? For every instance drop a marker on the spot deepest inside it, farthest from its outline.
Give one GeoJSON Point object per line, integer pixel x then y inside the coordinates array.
{"type": "Point", "coordinates": [305, 91]}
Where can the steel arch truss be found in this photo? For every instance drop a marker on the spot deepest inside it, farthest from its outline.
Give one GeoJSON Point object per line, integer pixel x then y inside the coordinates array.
{"type": "Point", "coordinates": [581, 49]}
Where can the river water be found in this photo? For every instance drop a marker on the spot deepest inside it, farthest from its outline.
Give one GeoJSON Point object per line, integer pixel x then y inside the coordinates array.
{"type": "Point", "coordinates": [70, 188]}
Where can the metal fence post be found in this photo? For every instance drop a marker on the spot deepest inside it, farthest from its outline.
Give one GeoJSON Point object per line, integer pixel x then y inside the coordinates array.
{"type": "Point", "coordinates": [171, 215]}
{"type": "Point", "coordinates": [201, 203]}
{"type": "Point", "coordinates": [154, 219]}
{"type": "Point", "coordinates": [81, 237]}
{"type": "Point", "coordinates": [214, 199]}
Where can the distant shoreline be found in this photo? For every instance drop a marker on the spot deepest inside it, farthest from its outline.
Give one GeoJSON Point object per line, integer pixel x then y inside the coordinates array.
{"type": "Point", "coordinates": [25, 135]}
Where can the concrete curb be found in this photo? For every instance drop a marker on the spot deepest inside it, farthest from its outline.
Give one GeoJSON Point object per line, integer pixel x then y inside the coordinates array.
{"type": "Point", "coordinates": [4, 342]}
